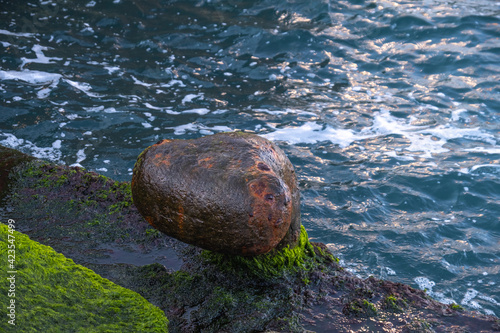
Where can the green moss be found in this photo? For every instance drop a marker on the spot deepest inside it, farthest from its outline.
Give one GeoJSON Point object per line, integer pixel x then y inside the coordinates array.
{"type": "Point", "coordinates": [394, 304]}
{"type": "Point", "coordinates": [360, 308]}
{"type": "Point", "coordinates": [276, 263]}
{"type": "Point", "coordinates": [153, 233]}
{"type": "Point", "coordinates": [47, 192]}
{"type": "Point", "coordinates": [370, 308]}
{"type": "Point", "coordinates": [228, 305]}
{"type": "Point", "coordinates": [53, 294]}
{"type": "Point", "coordinates": [41, 174]}
{"type": "Point", "coordinates": [457, 307]}
{"type": "Point", "coordinates": [390, 301]}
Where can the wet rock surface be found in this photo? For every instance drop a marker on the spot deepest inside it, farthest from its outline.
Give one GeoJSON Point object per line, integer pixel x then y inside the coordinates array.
{"type": "Point", "coordinates": [10, 158]}
{"type": "Point", "coordinates": [91, 219]}
{"type": "Point", "coordinates": [232, 193]}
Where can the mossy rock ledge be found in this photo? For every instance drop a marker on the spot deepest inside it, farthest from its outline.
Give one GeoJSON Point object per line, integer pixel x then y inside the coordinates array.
{"type": "Point", "coordinates": [92, 220]}
{"type": "Point", "coordinates": [50, 293]}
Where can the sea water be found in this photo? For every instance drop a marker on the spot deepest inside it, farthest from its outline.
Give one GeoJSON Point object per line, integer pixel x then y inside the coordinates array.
{"type": "Point", "coordinates": [389, 111]}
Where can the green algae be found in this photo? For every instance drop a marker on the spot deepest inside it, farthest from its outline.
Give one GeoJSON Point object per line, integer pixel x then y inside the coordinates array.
{"type": "Point", "coordinates": [394, 304]}
{"type": "Point", "coordinates": [457, 307]}
{"type": "Point", "coordinates": [203, 299]}
{"type": "Point", "coordinates": [360, 308]}
{"type": "Point", "coordinates": [41, 174]}
{"type": "Point", "coordinates": [53, 294]}
{"type": "Point", "coordinates": [95, 206]}
{"type": "Point", "coordinates": [303, 257]}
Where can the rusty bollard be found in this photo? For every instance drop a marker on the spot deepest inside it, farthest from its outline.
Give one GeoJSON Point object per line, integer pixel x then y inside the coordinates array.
{"type": "Point", "coordinates": [233, 193]}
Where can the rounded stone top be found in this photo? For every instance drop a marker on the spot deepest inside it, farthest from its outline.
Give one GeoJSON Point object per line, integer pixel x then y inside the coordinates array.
{"type": "Point", "coordinates": [232, 193]}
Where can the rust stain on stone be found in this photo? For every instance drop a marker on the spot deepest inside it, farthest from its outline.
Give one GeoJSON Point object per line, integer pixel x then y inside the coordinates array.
{"type": "Point", "coordinates": [161, 159]}
{"type": "Point", "coordinates": [162, 142]}
{"type": "Point", "coordinates": [180, 219]}
{"type": "Point", "coordinates": [204, 162]}
{"type": "Point", "coordinates": [150, 220]}
{"type": "Point", "coordinates": [270, 214]}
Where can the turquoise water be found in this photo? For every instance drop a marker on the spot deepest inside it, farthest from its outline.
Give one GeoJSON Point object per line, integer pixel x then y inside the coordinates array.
{"type": "Point", "coordinates": [389, 110]}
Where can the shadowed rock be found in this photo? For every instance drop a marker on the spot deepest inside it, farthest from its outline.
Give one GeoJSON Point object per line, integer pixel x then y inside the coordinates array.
{"type": "Point", "coordinates": [233, 193]}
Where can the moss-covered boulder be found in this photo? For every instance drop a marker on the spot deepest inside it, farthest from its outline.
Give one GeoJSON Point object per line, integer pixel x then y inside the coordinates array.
{"type": "Point", "coordinates": [232, 193]}
{"type": "Point", "coordinates": [48, 292]}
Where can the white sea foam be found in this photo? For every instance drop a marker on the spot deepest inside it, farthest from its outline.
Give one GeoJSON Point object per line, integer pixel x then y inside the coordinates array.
{"type": "Point", "coordinates": [141, 83]}
{"type": "Point", "coordinates": [57, 144]}
{"type": "Point", "coordinates": [285, 111]}
{"type": "Point", "coordinates": [190, 97]}
{"type": "Point", "coordinates": [427, 140]}
{"type": "Point", "coordinates": [40, 56]}
{"type": "Point", "coordinates": [149, 106]}
{"type": "Point", "coordinates": [33, 77]}
{"type": "Point", "coordinates": [112, 110]}
{"type": "Point", "coordinates": [485, 166]}
{"type": "Point", "coordinates": [52, 153]}
{"type": "Point", "coordinates": [311, 132]}
{"type": "Point", "coordinates": [88, 29]}
{"type": "Point", "coordinates": [84, 87]}
{"type": "Point", "coordinates": [492, 150]}
{"type": "Point", "coordinates": [166, 109]}
{"type": "Point", "coordinates": [112, 69]}
{"type": "Point", "coordinates": [489, 312]}
{"type": "Point", "coordinates": [426, 284]}
{"type": "Point", "coordinates": [200, 111]}
{"type": "Point", "coordinates": [448, 132]}
{"type": "Point", "coordinates": [468, 299]}
{"type": "Point", "coordinates": [221, 111]}
{"type": "Point", "coordinates": [43, 93]}
{"type": "Point", "coordinates": [80, 155]}
{"type": "Point", "coordinates": [488, 299]}
{"type": "Point", "coordinates": [194, 127]}
{"type": "Point", "coordinates": [150, 116]}
{"type": "Point", "coordinates": [182, 129]}
{"type": "Point", "coordinates": [395, 155]}
{"type": "Point", "coordinates": [172, 83]}
{"type": "Point", "coordinates": [456, 115]}
{"type": "Point", "coordinates": [389, 271]}
{"type": "Point", "coordinates": [17, 34]}
{"type": "Point", "coordinates": [94, 108]}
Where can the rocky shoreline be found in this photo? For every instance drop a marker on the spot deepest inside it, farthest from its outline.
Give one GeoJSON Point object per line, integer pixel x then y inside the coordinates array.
{"type": "Point", "coordinates": [92, 220]}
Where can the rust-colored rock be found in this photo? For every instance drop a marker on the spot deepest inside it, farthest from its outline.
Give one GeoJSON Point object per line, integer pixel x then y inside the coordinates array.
{"type": "Point", "coordinates": [233, 193]}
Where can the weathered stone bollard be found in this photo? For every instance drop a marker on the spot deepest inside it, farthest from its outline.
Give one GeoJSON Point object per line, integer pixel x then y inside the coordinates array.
{"type": "Point", "coordinates": [233, 193]}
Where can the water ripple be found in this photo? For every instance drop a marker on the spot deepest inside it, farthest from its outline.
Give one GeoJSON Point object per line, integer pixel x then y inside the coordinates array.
{"type": "Point", "coordinates": [388, 110]}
